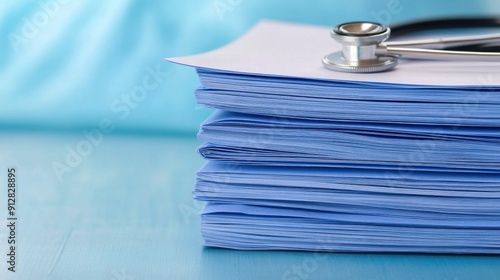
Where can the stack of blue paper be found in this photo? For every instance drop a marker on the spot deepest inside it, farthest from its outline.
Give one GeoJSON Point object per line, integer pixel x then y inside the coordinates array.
{"type": "Point", "coordinates": [388, 162]}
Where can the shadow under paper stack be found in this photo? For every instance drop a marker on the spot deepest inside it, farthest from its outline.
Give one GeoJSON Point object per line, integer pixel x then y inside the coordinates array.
{"type": "Point", "coordinates": [309, 159]}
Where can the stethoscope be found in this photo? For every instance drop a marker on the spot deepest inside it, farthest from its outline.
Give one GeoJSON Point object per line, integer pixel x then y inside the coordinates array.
{"type": "Point", "coordinates": [365, 49]}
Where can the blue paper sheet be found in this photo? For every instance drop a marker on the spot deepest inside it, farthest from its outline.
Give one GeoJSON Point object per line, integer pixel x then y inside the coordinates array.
{"type": "Point", "coordinates": [303, 158]}
{"type": "Point", "coordinates": [246, 138]}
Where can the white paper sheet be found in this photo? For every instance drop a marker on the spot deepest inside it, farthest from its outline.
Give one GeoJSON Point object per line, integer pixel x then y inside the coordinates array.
{"type": "Point", "coordinates": [296, 50]}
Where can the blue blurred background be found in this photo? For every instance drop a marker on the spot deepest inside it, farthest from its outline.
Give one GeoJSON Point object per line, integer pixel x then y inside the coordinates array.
{"type": "Point", "coordinates": [67, 65]}
{"type": "Point", "coordinates": [123, 206]}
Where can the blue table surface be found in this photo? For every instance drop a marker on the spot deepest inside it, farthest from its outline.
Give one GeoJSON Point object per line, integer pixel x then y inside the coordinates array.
{"type": "Point", "coordinates": [124, 211]}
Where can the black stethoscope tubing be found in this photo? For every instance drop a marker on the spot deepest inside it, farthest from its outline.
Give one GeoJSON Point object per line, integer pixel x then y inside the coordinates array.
{"type": "Point", "coordinates": [408, 28]}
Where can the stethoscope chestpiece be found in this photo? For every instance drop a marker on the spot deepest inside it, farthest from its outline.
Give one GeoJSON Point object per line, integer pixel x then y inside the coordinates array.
{"type": "Point", "coordinates": [359, 44]}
